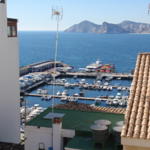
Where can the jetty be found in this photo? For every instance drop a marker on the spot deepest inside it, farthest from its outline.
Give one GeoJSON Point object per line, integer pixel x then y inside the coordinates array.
{"type": "Point", "coordinates": [68, 97]}
{"type": "Point", "coordinates": [65, 70]}
{"type": "Point", "coordinates": [41, 67]}
{"type": "Point", "coordinates": [89, 86]}
{"type": "Point", "coordinates": [32, 87]}
{"type": "Point", "coordinates": [100, 75]}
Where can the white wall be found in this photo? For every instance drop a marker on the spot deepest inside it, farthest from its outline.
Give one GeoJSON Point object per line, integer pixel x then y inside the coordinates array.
{"type": "Point", "coordinates": [3, 23]}
{"type": "Point", "coordinates": [9, 85]}
{"type": "Point", "coordinates": [57, 138]}
{"type": "Point", "coordinates": [38, 135]}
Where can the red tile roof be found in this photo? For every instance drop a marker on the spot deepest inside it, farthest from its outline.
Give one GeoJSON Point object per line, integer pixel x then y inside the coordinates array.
{"type": "Point", "coordinates": [137, 116]}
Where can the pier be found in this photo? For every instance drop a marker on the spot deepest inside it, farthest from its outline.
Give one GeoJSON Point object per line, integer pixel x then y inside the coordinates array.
{"type": "Point", "coordinates": [69, 97]}
{"type": "Point", "coordinates": [97, 75]}
{"type": "Point", "coordinates": [89, 86]}
{"type": "Point", "coordinates": [32, 87]}
{"type": "Point", "coordinates": [41, 67]}
{"type": "Point", "coordinates": [62, 68]}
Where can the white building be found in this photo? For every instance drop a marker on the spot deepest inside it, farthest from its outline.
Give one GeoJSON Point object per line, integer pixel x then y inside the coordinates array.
{"type": "Point", "coordinates": [65, 129]}
{"type": "Point", "coordinates": [47, 137]}
{"type": "Point", "coordinates": [9, 75]}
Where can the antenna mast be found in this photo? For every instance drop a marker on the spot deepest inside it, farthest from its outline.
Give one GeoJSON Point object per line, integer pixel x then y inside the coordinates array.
{"type": "Point", "coordinates": [148, 8]}
{"type": "Point", "coordinates": [57, 13]}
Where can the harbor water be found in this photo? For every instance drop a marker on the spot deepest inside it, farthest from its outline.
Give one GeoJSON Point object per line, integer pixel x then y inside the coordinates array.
{"type": "Point", "coordinates": [79, 50]}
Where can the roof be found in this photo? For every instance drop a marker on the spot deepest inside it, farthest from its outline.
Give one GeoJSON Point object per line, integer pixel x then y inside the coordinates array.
{"type": "Point", "coordinates": [137, 117]}
{"type": "Point", "coordinates": [83, 143]}
{"type": "Point", "coordinates": [86, 143]}
{"type": "Point", "coordinates": [85, 107]}
{"type": "Point", "coordinates": [12, 20]}
{"type": "Point", "coordinates": [74, 119]}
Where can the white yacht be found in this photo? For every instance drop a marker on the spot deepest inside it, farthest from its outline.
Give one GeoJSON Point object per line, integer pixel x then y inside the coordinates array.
{"type": "Point", "coordinates": [39, 91]}
{"type": "Point", "coordinates": [123, 103]}
{"type": "Point", "coordinates": [58, 93]}
{"type": "Point", "coordinates": [31, 111]}
{"type": "Point", "coordinates": [67, 85]}
{"type": "Point", "coordinates": [106, 83]}
{"type": "Point", "coordinates": [92, 67]}
{"type": "Point", "coordinates": [82, 81]}
{"type": "Point", "coordinates": [118, 96]}
{"type": "Point", "coordinates": [65, 98]}
{"type": "Point", "coordinates": [115, 102]}
{"type": "Point", "coordinates": [64, 93]}
{"type": "Point", "coordinates": [109, 102]}
{"type": "Point", "coordinates": [76, 95]}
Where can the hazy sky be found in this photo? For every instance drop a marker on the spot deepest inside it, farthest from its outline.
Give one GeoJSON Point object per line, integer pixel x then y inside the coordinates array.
{"type": "Point", "coordinates": [36, 14]}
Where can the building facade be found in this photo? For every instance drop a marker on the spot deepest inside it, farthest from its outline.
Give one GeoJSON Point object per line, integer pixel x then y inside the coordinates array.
{"type": "Point", "coordinates": [9, 85]}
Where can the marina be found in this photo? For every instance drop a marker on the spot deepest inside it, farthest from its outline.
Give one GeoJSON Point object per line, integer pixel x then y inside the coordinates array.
{"type": "Point", "coordinates": [75, 91]}
{"type": "Point", "coordinates": [96, 89]}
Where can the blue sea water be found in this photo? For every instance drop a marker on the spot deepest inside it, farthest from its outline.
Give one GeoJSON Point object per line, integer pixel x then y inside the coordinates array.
{"type": "Point", "coordinates": [81, 49]}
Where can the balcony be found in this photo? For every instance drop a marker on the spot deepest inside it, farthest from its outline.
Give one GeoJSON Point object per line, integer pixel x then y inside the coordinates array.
{"type": "Point", "coordinates": [2, 1]}
{"type": "Point", "coordinates": [12, 27]}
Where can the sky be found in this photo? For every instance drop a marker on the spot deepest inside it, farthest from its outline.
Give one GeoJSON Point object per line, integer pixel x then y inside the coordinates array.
{"type": "Point", "coordinates": [36, 14]}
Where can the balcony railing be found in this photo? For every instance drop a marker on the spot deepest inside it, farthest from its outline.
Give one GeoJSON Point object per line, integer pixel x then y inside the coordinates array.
{"type": "Point", "coordinates": [12, 27]}
{"type": "Point", "coordinates": [2, 1]}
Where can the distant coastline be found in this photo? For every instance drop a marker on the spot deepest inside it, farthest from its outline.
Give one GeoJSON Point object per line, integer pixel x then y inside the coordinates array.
{"type": "Point", "coordinates": [78, 32]}
{"type": "Point", "coordinates": [125, 27]}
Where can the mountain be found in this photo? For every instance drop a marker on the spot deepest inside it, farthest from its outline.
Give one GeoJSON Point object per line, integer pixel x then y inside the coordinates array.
{"type": "Point", "coordinates": [135, 27]}
{"type": "Point", "coordinates": [84, 26]}
{"type": "Point", "coordinates": [109, 28]}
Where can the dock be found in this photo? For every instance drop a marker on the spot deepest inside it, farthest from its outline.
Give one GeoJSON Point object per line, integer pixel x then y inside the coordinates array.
{"type": "Point", "coordinates": [97, 75]}
{"type": "Point", "coordinates": [89, 86]}
{"type": "Point", "coordinates": [32, 87]}
{"type": "Point", "coordinates": [68, 97]}
{"type": "Point", "coordinates": [41, 67]}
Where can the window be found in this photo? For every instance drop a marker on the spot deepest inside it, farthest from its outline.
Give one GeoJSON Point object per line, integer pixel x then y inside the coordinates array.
{"type": "Point", "coordinates": [12, 28]}
{"type": "Point", "coordinates": [12, 31]}
{"type": "Point", "coordinates": [2, 1]}
{"type": "Point", "coordinates": [9, 31]}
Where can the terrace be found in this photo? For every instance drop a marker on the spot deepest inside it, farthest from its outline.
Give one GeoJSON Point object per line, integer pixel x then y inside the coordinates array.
{"type": "Point", "coordinates": [80, 121]}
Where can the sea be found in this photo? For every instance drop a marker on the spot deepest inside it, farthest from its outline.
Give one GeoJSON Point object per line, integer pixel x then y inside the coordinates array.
{"type": "Point", "coordinates": [81, 49]}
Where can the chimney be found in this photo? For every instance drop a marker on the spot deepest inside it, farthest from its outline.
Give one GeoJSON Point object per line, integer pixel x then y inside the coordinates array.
{"type": "Point", "coordinates": [57, 139]}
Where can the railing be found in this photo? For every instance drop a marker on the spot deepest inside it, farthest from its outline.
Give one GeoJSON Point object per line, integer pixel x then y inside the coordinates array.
{"type": "Point", "coordinates": [2, 1]}
{"type": "Point", "coordinates": [12, 27]}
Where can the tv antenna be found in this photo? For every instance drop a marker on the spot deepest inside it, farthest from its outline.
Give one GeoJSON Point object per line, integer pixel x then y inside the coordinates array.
{"type": "Point", "coordinates": [57, 13]}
